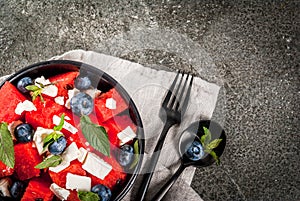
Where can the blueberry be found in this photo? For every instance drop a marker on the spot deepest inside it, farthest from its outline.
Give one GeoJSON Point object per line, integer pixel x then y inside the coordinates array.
{"type": "Point", "coordinates": [58, 146]}
{"type": "Point", "coordinates": [103, 192]}
{"type": "Point", "coordinates": [126, 155]}
{"type": "Point", "coordinates": [82, 104]}
{"type": "Point", "coordinates": [17, 189]}
{"type": "Point", "coordinates": [194, 151]}
{"type": "Point", "coordinates": [82, 83]}
{"type": "Point", "coordinates": [24, 82]}
{"type": "Point", "coordinates": [23, 133]}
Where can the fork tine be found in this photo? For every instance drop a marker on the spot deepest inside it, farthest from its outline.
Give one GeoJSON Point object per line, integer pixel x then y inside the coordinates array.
{"type": "Point", "coordinates": [187, 96]}
{"type": "Point", "coordinates": [170, 91]}
{"type": "Point", "coordinates": [175, 93]}
{"type": "Point", "coordinates": [182, 92]}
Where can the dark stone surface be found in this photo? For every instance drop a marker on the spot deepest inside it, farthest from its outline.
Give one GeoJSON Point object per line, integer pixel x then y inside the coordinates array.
{"type": "Point", "coordinates": [249, 48]}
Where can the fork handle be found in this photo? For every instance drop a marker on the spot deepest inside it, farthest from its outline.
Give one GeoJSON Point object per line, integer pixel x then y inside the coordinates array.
{"type": "Point", "coordinates": [153, 161]}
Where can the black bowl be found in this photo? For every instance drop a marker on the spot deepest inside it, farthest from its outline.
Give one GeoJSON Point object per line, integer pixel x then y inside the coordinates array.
{"type": "Point", "coordinates": [103, 82]}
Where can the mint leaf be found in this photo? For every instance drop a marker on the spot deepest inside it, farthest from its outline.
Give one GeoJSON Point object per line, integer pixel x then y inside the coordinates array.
{"type": "Point", "coordinates": [216, 158]}
{"type": "Point", "coordinates": [136, 154]}
{"type": "Point", "coordinates": [207, 136]}
{"type": "Point", "coordinates": [32, 87]}
{"type": "Point", "coordinates": [36, 91]}
{"type": "Point", "coordinates": [7, 155]}
{"type": "Point", "coordinates": [52, 161]}
{"type": "Point", "coordinates": [87, 196]}
{"type": "Point", "coordinates": [95, 135]}
{"type": "Point", "coordinates": [61, 123]}
{"type": "Point", "coordinates": [213, 144]}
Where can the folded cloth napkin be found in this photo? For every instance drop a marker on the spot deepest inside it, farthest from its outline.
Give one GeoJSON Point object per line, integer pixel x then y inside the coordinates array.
{"type": "Point", "coordinates": [147, 88]}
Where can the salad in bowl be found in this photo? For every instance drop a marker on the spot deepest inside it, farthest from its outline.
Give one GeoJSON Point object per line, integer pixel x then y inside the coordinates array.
{"type": "Point", "coordinates": [68, 131]}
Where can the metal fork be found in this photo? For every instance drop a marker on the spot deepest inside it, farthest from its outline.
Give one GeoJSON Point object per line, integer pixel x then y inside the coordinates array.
{"type": "Point", "coordinates": [173, 108]}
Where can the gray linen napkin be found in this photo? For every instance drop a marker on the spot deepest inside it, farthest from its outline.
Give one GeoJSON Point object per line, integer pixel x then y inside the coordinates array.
{"type": "Point", "coordinates": [147, 88]}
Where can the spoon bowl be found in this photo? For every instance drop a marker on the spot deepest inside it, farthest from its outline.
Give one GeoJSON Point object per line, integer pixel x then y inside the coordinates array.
{"type": "Point", "coordinates": [193, 134]}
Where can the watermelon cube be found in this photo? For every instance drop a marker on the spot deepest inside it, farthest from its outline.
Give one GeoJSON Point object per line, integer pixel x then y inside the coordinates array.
{"type": "Point", "coordinates": [5, 170]}
{"type": "Point", "coordinates": [26, 158]}
{"type": "Point", "coordinates": [38, 188]}
{"type": "Point", "coordinates": [64, 82]}
{"type": "Point", "coordinates": [43, 117]}
{"type": "Point", "coordinates": [73, 196]}
{"type": "Point", "coordinates": [60, 177]}
{"type": "Point", "coordinates": [115, 125]}
{"type": "Point", "coordinates": [10, 97]}
{"type": "Point", "coordinates": [103, 113]}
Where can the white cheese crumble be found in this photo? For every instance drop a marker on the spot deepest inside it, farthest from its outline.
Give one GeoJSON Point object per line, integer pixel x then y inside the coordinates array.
{"type": "Point", "coordinates": [126, 135]}
{"type": "Point", "coordinates": [77, 182]}
{"type": "Point", "coordinates": [71, 153]}
{"type": "Point", "coordinates": [50, 89]}
{"type": "Point", "coordinates": [60, 192]}
{"type": "Point", "coordinates": [67, 125]}
{"type": "Point", "coordinates": [96, 166]}
{"type": "Point", "coordinates": [111, 103]}
{"type": "Point", "coordinates": [93, 92]}
{"type": "Point", "coordinates": [39, 136]}
{"type": "Point", "coordinates": [63, 165]}
{"type": "Point", "coordinates": [25, 106]}
{"type": "Point", "coordinates": [82, 154]}
{"type": "Point", "coordinates": [71, 93]}
{"type": "Point", "coordinates": [59, 100]}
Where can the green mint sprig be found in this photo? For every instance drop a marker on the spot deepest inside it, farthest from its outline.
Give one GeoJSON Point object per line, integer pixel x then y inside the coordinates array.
{"type": "Point", "coordinates": [37, 90]}
{"type": "Point", "coordinates": [95, 135]}
{"type": "Point", "coordinates": [7, 155]}
{"type": "Point", "coordinates": [87, 196]}
{"type": "Point", "coordinates": [136, 154]}
{"type": "Point", "coordinates": [209, 145]}
{"type": "Point", "coordinates": [52, 161]}
{"type": "Point", "coordinates": [54, 136]}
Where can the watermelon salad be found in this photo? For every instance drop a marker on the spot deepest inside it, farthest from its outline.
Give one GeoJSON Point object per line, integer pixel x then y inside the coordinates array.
{"type": "Point", "coordinates": [63, 139]}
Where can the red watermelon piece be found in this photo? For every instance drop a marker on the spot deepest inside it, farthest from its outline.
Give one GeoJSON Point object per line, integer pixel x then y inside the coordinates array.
{"type": "Point", "coordinates": [115, 176]}
{"type": "Point", "coordinates": [5, 170]}
{"type": "Point", "coordinates": [64, 82]}
{"type": "Point", "coordinates": [60, 177]}
{"type": "Point", "coordinates": [38, 188]}
{"type": "Point", "coordinates": [44, 114]}
{"type": "Point", "coordinates": [116, 125]}
{"type": "Point", "coordinates": [26, 158]}
{"type": "Point", "coordinates": [103, 113]}
{"type": "Point", "coordinates": [10, 97]}
{"type": "Point", "coordinates": [73, 196]}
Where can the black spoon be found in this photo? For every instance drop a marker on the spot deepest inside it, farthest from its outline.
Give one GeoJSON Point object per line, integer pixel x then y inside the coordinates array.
{"type": "Point", "coordinates": [193, 134]}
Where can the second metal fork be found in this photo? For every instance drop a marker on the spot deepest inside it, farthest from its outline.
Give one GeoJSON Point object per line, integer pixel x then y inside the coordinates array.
{"type": "Point", "coordinates": [173, 108]}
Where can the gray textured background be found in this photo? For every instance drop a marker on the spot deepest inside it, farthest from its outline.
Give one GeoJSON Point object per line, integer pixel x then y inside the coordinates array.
{"type": "Point", "coordinates": [249, 48]}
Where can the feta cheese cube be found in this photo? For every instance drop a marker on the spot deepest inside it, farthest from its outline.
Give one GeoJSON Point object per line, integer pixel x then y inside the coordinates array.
{"type": "Point", "coordinates": [67, 125]}
{"type": "Point", "coordinates": [77, 182]}
{"type": "Point", "coordinates": [71, 152]}
{"type": "Point", "coordinates": [126, 135]}
{"type": "Point", "coordinates": [60, 192]}
{"type": "Point", "coordinates": [111, 103]}
{"type": "Point", "coordinates": [25, 106]}
{"type": "Point", "coordinates": [96, 166]}
{"type": "Point", "coordinates": [82, 154]}
{"type": "Point", "coordinates": [63, 165]}
{"type": "Point", "coordinates": [50, 90]}
{"type": "Point", "coordinates": [59, 100]}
